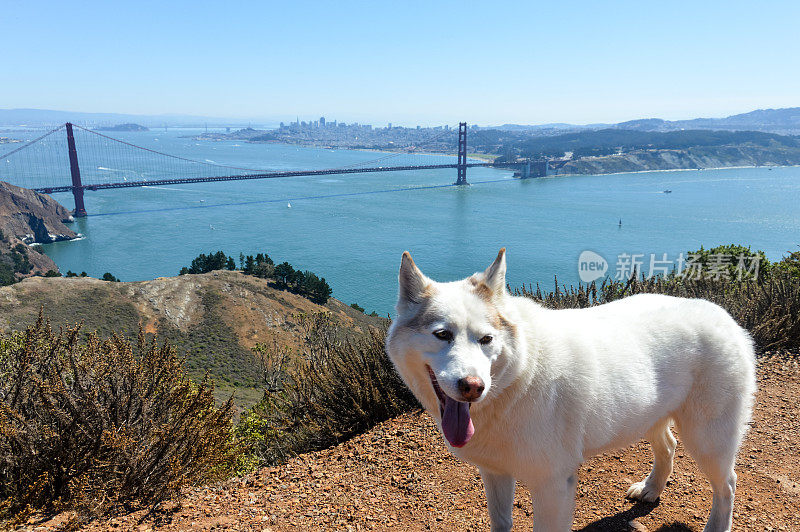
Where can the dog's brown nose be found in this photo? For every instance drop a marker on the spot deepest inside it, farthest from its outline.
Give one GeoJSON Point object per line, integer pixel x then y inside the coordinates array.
{"type": "Point", "coordinates": [471, 388]}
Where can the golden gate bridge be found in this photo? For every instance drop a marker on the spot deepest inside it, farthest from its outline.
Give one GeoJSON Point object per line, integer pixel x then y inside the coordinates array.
{"type": "Point", "coordinates": [41, 165]}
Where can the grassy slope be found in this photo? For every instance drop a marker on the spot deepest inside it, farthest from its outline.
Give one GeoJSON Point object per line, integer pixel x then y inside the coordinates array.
{"type": "Point", "coordinates": [213, 319]}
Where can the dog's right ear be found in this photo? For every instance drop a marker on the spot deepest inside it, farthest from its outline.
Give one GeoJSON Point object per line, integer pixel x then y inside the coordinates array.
{"type": "Point", "coordinates": [413, 283]}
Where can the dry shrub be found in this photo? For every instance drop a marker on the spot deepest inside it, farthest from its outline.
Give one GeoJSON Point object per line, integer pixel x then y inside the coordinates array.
{"type": "Point", "coordinates": [338, 386]}
{"type": "Point", "coordinates": [768, 307]}
{"type": "Point", "coordinates": [91, 425]}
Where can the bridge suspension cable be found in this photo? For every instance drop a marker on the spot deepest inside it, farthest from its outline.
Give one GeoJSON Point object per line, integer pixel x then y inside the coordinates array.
{"type": "Point", "coordinates": [94, 161]}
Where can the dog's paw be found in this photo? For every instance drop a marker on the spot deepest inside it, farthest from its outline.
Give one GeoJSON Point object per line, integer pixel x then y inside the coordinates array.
{"type": "Point", "coordinates": [641, 491]}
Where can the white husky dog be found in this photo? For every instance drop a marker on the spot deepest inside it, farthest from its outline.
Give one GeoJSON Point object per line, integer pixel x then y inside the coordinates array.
{"type": "Point", "coordinates": [528, 393]}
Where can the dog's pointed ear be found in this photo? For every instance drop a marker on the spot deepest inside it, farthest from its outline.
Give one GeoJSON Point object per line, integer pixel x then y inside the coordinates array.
{"type": "Point", "coordinates": [495, 275]}
{"type": "Point", "coordinates": [413, 283]}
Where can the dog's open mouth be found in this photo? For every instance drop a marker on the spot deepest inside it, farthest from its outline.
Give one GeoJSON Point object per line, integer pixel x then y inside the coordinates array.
{"type": "Point", "coordinates": [456, 422]}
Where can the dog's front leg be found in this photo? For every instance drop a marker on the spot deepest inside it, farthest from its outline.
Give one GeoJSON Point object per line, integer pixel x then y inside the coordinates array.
{"type": "Point", "coordinates": [500, 499]}
{"type": "Point", "coordinates": [554, 503]}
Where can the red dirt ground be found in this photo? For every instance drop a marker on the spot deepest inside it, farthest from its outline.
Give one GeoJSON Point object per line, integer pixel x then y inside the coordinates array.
{"type": "Point", "coordinates": [399, 476]}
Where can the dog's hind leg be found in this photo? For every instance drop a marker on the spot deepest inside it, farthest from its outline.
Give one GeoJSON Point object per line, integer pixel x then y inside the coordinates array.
{"type": "Point", "coordinates": [499, 498]}
{"type": "Point", "coordinates": [713, 445]}
{"type": "Point", "coordinates": [663, 443]}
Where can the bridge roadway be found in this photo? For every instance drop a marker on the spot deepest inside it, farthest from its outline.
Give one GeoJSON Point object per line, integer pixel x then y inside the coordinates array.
{"type": "Point", "coordinates": [267, 175]}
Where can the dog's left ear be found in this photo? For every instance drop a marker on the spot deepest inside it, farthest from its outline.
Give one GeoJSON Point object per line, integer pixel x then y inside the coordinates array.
{"type": "Point", "coordinates": [495, 275]}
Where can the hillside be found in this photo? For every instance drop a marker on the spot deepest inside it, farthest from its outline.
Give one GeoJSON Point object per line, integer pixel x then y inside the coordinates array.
{"type": "Point", "coordinates": [399, 476]}
{"type": "Point", "coordinates": [685, 159]}
{"type": "Point", "coordinates": [629, 150]}
{"type": "Point", "coordinates": [213, 318]}
{"type": "Point", "coordinates": [31, 216]}
{"type": "Point", "coordinates": [28, 217]}
{"type": "Point", "coordinates": [785, 121]}
{"type": "Point", "coordinates": [123, 127]}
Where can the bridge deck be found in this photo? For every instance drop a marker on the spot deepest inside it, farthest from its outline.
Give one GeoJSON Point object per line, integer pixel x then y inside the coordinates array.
{"type": "Point", "coordinates": [266, 175]}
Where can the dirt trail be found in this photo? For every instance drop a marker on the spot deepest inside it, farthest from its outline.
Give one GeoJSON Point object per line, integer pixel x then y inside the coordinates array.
{"type": "Point", "coordinates": [399, 476]}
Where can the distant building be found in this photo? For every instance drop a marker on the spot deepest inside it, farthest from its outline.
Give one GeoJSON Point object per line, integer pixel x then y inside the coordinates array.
{"type": "Point", "coordinates": [390, 125]}
{"type": "Point", "coordinates": [322, 121]}
{"type": "Point", "coordinates": [282, 125]}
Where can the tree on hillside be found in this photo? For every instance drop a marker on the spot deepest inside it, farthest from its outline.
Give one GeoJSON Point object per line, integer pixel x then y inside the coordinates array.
{"type": "Point", "coordinates": [284, 275]}
{"type": "Point", "coordinates": [315, 288]}
{"type": "Point", "coordinates": [263, 257]}
{"type": "Point", "coordinates": [206, 263]}
{"type": "Point", "coordinates": [249, 265]}
{"type": "Point", "coordinates": [263, 270]}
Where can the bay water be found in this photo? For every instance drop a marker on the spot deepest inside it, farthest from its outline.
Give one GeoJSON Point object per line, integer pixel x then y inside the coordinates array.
{"type": "Point", "coordinates": [352, 229]}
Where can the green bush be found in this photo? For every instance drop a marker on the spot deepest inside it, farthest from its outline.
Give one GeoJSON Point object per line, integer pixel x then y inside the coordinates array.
{"type": "Point", "coordinates": [208, 263]}
{"type": "Point", "coordinates": [91, 425]}
{"type": "Point", "coordinates": [768, 307]}
{"type": "Point", "coordinates": [304, 283]}
{"type": "Point", "coordinates": [735, 261]}
{"type": "Point", "coordinates": [336, 387]}
{"type": "Point", "coordinates": [14, 262]}
{"type": "Point", "coordinates": [790, 265]}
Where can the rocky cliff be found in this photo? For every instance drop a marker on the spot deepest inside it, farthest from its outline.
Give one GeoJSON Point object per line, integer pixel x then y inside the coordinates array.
{"type": "Point", "coordinates": [28, 217]}
{"type": "Point", "coordinates": [31, 216]}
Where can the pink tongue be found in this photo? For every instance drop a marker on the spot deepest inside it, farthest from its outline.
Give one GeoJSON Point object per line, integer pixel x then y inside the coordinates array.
{"type": "Point", "coordinates": [456, 423]}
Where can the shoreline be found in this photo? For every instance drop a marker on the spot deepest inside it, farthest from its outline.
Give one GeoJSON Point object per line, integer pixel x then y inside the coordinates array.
{"type": "Point", "coordinates": [490, 158]}
{"type": "Point", "coordinates": [476, 156]}
{"type": "Point", "coordinates": [677, 170]}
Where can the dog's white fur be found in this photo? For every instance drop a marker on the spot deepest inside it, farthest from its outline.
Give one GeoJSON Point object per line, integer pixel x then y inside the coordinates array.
{"type": "Point", "coordinates": [564, 385]}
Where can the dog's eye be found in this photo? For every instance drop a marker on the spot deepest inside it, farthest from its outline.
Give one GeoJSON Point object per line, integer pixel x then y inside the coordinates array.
{"type": "Point", "coordinates": [485, 340]}
{"type": "Point", "coordinates": [443, 334]}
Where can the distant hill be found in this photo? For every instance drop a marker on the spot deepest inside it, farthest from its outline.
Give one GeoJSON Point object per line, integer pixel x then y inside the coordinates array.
{"type": "Point", "coordinates": [247, 133]}
{"type": "Point", "coordinates": [783, 121]}
{"type": "Point", "coordinates": [123, 127]}
{"type": "Point", "coordinates": [213, 319]}
{"type": "Point", "coordinates": [606, 141]}
{"type": "Point", "coordinates": [48, 117]}
{"type": "Point", "coordinates": [615, 150]}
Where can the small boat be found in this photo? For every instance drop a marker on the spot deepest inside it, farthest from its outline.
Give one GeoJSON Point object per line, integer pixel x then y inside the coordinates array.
{"type": "Point", "coordinates": [668, 191]}
{"type": "Point", "coordinates": [288, 205]}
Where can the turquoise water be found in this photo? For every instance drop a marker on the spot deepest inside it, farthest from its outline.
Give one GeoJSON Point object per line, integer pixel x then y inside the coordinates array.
{"type": "Point", "coordinates": [353, 229]}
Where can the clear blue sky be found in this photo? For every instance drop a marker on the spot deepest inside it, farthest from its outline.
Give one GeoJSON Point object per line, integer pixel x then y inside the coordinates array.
{"type": "Point", "coordinates": [405, 62]}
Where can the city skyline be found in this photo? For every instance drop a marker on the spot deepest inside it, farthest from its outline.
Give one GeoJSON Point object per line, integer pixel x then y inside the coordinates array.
{"type": "Point", "coordinates": [425, 64]}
